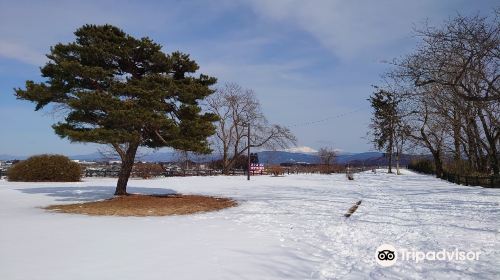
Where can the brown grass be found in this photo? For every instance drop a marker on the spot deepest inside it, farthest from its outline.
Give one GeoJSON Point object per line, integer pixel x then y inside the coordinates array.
{"type": "Point", "coordinates": [147, 205]}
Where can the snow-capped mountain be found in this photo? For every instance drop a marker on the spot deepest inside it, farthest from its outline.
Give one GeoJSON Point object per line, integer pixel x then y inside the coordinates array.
{"type": "Point", "coordinates": [301, 149]}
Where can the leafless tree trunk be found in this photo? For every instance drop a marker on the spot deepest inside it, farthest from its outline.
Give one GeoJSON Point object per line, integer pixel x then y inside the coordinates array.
{"type": "Point", "coordinates": [454, 74]}
{"type": "Point", "coordinates": [238, 108]}
{"type": "Point", "coordinates": [327, 157]}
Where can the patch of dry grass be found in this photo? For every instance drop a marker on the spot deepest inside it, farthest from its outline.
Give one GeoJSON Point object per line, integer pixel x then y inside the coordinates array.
{"type": "Point", "coordinates": [147, 205]}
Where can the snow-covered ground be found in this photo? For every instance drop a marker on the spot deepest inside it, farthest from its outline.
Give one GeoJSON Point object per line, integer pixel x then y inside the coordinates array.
{"type": "Point", "coordinates": [285, 228]}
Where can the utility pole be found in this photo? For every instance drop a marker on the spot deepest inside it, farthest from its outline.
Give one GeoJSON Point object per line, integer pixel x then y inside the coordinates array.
{"type": "Point", "coordinates": [248, 151]}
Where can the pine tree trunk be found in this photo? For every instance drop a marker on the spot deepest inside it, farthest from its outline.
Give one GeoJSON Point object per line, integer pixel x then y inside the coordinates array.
{"type": "Point", "coordinates": [126, 170]}
{"type": "Point", "coordinates": [390, 156]}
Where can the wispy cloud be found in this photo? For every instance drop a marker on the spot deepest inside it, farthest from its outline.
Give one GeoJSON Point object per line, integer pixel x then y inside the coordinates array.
{"type": "Point", "coordinates": [28, 28]}
{"type": "Point", "coordinates": [22, 53]}
{"type": "Point", "coordinates": [307, 60]}
{"type": "Point", "coordinates": [352, 28]}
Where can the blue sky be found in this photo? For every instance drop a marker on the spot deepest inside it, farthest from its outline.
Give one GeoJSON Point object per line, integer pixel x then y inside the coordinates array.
{"type": "Point", "coordinates": [306, 60]}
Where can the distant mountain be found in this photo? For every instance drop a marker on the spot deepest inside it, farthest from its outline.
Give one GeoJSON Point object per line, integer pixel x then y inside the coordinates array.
{"type": "Point", "coordinates": [302, 150]}
{"type": "Point", "coordinates": [173, 156]}
{"type": "Point", "coordinates": [277, 157]}
{"type": "Point", "coordinates": [266, 157]}
{"type": "Point", "coordinates": [88, 157]}
{"type": "Point", "coordinates": [347, 158]}
{"type": "Point", "coordinates": [152, 157]}
{"type": "Point", "coordinates": [11, 157]}
{"type": "Point", "coordinates": [149, 157]}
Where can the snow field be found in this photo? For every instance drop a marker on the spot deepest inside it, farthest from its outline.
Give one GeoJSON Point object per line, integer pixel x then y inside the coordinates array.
{"type": "Point", "coordinates": [289, 227]}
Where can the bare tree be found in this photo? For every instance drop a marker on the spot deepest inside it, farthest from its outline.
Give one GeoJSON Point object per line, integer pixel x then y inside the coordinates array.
{"type": "Point", "coordinates": [402, 133]}
{"type": "Point", "coordinates": [463, 54]}
{"type": "Point", "coordinates": [327, 156]}
{"type": "Point", "coordinates": [428, 129]}
{"type": "Point", "coordinates": [463, 58]}
{"type": "Point", "coordinates": [183, 159]}
{"type": "Point", "coordinates": [237, 109]}
{"type": "Point", "coordinates": [451, 85]}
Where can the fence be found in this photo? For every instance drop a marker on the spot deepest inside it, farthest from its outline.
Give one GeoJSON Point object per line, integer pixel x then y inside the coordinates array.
{"type": "Point", "coordinates": [90, 172]}
{"type": "Point", "coordinates": [492, 181]}
{"type": "Point", "coordinates": [483, 181]}
{"type": "Point", "coordinates": [210, 172]}
{"type": "Point", "coordinates": [214, 172]}
{"type": "Point", "coordinates": [324, 169]}
{"type": "Point", "coordinates": [167, 173]}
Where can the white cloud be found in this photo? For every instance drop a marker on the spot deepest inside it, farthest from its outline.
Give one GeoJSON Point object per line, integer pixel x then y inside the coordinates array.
{"type": "Point", "coordinates": [28, 28]}
{"type": "Point", "coordinates": [349, 28]}
{"type": "Point", "coordinates": [21, 53]}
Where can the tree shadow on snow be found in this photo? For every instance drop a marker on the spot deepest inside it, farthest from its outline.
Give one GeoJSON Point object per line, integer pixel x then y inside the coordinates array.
{"type": "Point", "coordinates": [90, 193]}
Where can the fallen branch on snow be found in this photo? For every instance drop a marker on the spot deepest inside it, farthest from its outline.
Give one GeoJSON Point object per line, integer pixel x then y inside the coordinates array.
{"type": "Point", "coordinates": [352, 209]}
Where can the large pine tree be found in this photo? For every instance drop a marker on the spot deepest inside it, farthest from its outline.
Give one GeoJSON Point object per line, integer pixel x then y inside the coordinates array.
{"type": "Point", "coordinates": [124, 92]}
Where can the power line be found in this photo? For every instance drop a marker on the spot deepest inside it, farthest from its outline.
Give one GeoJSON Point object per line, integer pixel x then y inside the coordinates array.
{"type": "Point", "coordinates": [327, 119]}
